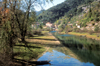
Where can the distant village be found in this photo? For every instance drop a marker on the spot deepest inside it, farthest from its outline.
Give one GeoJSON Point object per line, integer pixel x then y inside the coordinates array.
{"type": "Point", "coordinates": [53, 26]}
{"type": "Point", "coordinates": [90, 26]}
{"type": "Point", "coordinates": [47, 25]}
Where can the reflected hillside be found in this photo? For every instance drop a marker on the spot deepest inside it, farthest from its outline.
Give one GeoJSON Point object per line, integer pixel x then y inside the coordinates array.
{"type": "Point", "coordinates": [81, 48]}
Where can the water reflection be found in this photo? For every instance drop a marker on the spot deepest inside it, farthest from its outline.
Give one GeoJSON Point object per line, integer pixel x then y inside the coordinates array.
{"type": "Point", "coordinates": [60, 59]}
{"type": "Point", "coordinates": [78, 42]}
{"type": "Point", "coordinates": [65, 35]}
{"type": "Point", "coordinates": [53, 31]}
{"type": "Point", "coordinates": [87, 50]}
{"type": "Point", "coordinates": [78, 51]}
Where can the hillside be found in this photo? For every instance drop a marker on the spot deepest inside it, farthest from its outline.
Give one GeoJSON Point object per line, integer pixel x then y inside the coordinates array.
{"type": "Point", "coordinates": [39, 12]}
{"type": "Point", "coordinates": [86, 19]}
{"type": "Point", "coordinates": [65, 8]}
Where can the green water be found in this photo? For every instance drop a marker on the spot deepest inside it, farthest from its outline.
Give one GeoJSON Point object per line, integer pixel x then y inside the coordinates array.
{"type": "Point", "coordinates": [75, 51]}
{"type": "Point", "coordinates": [88, 50]}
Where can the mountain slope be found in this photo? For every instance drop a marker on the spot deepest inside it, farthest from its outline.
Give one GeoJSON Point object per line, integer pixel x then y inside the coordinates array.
{"type": "Point", "coordinates": [58, 11]}
{"type": "Point", "coordinates": [39, 12]}
{"type": "Point", "coordinates": [85, 18]}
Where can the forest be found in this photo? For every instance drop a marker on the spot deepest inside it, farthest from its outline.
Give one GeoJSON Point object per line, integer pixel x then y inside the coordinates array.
{"type": "Point", "coordinates": [84, 12]}
{"type": "Point", "coordinates": [66, 8]}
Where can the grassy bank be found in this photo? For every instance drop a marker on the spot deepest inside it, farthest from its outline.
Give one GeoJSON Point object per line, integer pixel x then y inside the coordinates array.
{"type": "Point", "coordinates": [93, 36]}
{"type": "Point", "coordinates": [37, 45]}
{"type": "Point", "coordinates": [27, 53]}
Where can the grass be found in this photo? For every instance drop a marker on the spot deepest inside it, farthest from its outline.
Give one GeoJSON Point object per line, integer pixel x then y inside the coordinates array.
{"type": "Point", "coordinates": [45, 32]}
{"type": "Point", "coordinates": [37, 46]}
{"type": "Point", "coordinates": [93, 36]}
{"type": "Point", "coordinates": [28, 53]}
{"type": "Point", "coordinates": [44, 37]}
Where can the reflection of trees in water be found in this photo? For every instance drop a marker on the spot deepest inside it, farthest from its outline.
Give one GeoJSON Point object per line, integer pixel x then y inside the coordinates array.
{"type": "Point", "coordinates": [87, 50]}
{"type": "Point", "coordinates": [82, 55]}
{"type": "Point", "coordinates": [88, 56]}
{"type": "Point", "coordinates": [79, 42]}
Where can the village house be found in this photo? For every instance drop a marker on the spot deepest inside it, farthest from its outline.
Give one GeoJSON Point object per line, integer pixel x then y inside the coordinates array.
{"type": "Point", "coordinates": [48, 24]}
{"type": "Point", "coordinates": [78, 25]}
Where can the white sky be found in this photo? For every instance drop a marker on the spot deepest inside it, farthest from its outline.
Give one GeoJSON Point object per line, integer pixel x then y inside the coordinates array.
{"type": "Point", "coordinates": [48, 5]}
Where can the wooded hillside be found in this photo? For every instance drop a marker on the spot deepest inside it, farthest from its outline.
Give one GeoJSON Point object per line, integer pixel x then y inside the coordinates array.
{"type": "Point", "coordinates": [66, 8]}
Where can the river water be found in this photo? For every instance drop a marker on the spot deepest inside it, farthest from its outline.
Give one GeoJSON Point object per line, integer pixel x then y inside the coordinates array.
{"type": "Point", "coordinates": [60, 59]}
{"type": "Point", "coordinates": [77, 51]}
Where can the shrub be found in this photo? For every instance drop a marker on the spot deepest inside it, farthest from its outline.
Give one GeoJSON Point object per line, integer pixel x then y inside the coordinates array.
{"type": "Point", "coordinates": [29, 34]}
{"type": "Point", "coordinates": [91, 32]}
{"type": "Point", "coordinates": [76, 30]}
{"type": "Point", "coordinates": [96, 28]}
{"type": "Point", "coordinates": [96, 19]}
{"type": "Point", "coordinates": [37, 32]}
{"type": "Point", "coordinates": [84, 24]}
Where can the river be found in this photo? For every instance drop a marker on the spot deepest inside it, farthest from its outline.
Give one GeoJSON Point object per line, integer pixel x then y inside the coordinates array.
{"type": "Point", "coordinates": [76, 51]}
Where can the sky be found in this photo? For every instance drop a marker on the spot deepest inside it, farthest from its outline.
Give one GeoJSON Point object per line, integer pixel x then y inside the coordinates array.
{"type": "Point", "coordinates": [48, 5]}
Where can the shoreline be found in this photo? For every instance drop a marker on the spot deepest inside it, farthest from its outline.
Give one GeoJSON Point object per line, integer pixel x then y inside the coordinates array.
{"type": "Point", "coordinates": [85, 35]}
{"type": "Point", "coordinates": [57, 42]}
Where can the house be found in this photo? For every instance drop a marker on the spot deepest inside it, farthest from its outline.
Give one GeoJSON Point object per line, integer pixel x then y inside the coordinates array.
{"type": "Point", "coordinates": [48, 24]}
{"type": "Point", "coordinates": [78, 25]}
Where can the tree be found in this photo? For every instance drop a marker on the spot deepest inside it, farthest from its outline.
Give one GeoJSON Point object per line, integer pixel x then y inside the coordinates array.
{"type": "Point", "coordinates": [14, 22]}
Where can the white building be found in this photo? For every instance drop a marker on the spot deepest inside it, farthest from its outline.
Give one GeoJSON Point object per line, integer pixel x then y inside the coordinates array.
{"type": "Point", "coordinates": [48, 24]}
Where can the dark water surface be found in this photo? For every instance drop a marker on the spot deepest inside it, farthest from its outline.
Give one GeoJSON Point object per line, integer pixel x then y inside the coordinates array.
{"type": "Point", "coordinates": [78, 51]}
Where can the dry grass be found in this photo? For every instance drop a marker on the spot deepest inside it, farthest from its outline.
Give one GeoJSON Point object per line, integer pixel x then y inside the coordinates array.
{"type": "Point", "coordinates": [43, 40]}
{"type": "Point", "coordinates": [28, 53]}
{"type": "Point", "coordinates": [86, 34]}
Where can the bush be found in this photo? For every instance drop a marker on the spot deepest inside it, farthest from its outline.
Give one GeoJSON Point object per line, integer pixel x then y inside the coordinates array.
{"type": "Point", "coordinates": [61, 30]}
{"type": "Point", "coordinates": [96, 28]}
{"type": "Point", "coordinates": [91, 32]}
{"type": "Point", "coordinates": [47, 29]}
{"type": "Point", "coordinates": [96, 19]}
{"type": "Point", "coordinates": [29, 34]}
{"type": "Point", "coordinates": [37, 32]}
{"type": "Point", "coordinates": [76, 30]}
{"type": "Point", "coordinates": [84, 24]}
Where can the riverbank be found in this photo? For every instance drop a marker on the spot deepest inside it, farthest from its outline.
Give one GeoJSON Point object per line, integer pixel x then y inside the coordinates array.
{"type": "Point", "coordinates": [93, 36]}
{"type": "Point", "coordinates": [54, 50]}
{"type": "Point", "coordinates": [37, 46]}
{"type": "Point", "coordinates": [47, 41]}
